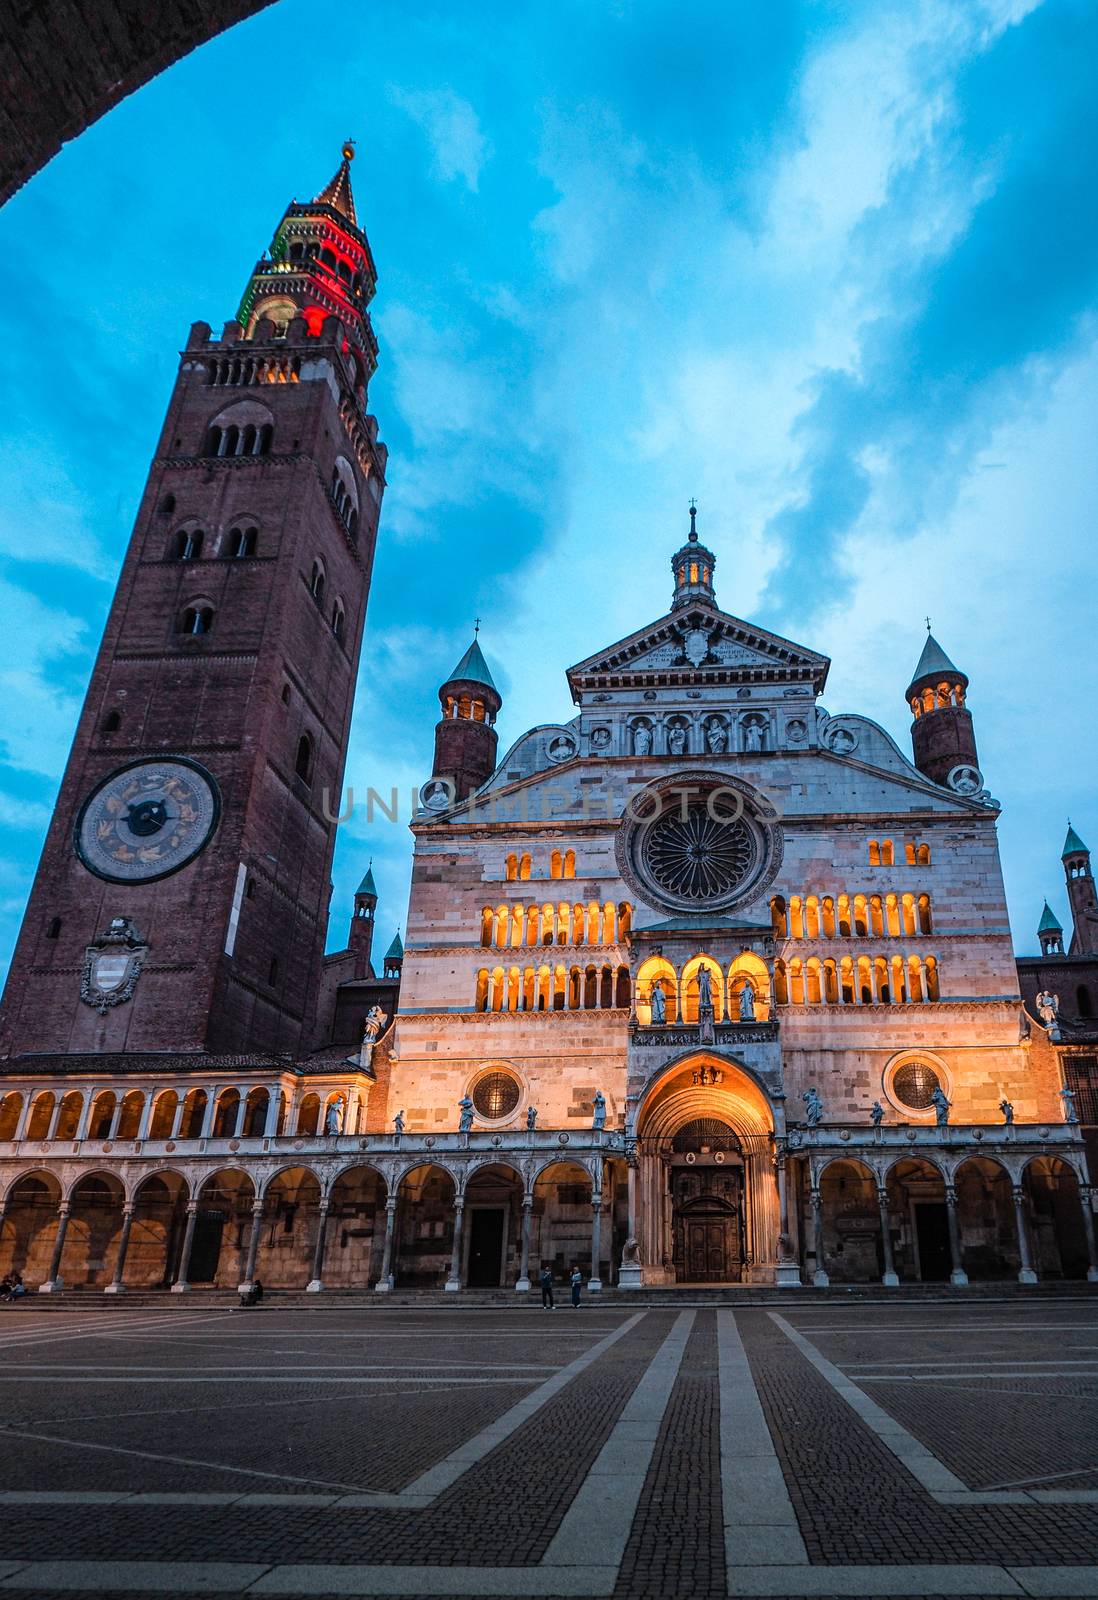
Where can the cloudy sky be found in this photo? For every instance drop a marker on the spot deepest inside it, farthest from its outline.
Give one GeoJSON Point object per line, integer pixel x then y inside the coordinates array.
{"type": "Point", "coordinates": [832, 268]}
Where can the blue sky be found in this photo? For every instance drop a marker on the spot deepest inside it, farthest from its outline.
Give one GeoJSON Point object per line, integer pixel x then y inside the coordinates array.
{"type": "Point", "coordinates": [831, 268]}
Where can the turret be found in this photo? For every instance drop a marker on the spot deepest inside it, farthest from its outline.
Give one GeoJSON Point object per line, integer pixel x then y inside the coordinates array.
{"type": "Point", "coordinates": [1080, 887]}
{"type": "Point", "coordinates": [693, 569]}
{"type": "Point", "coordinates": [1050, 933]}
{"type": "Point", "coordinates": [941, 734]}
{"type": "Point", "coordinates": [361, 937]}
{"type": "Point", "coordinates": [465, 737]}
{"type": "Point", "coordinates": [394, 958]}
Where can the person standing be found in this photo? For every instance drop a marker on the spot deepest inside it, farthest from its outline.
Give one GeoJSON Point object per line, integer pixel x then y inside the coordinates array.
{"type": "Point", "coordinates": [546, 1281]}
{"type": "Point", "coordinates": [577, 1285]}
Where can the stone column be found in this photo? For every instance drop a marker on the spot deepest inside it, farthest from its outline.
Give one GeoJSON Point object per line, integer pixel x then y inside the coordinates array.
{"type": "Point", "coordinates": [1026, 1273]}
{"type": "Point", "coordinates": [24, 1116]}
{"type": "Point", "coordinates": [890, 1279]}
{"type": "Point", "coordinates": [55, 1117]}
{"type": "Point", "coordinates": [1085, 1193]}
{"type": "Point", "coordinates": [819, 1277]}
{"type": "Point", "coordinates": [316, 1282]}
{"type": "Point", "coordinates": [630, 1272]}
{"type": "Point", "coordinates": [274, 1100]}
{"type": "Point", "coordinates": [594, 1283]}
{"type": "Point", "coordinates": [116, 1286]}
{"type": "Point", "coordinates": [385, 1282]}
{"type": "Point", "coordinates": [53, 1284]}
{"type": "Point", "coordinates": [177, 1120]}
{"type": "Point", "coordinates": [523, 1284]}
{"type": "Point", "coordinates": [112, 1131]}
{"type": "Point", "coordinates": [453, 1282]}
{"type": "Point", "coordinates": [253, 1246]}
{"type": "Point", "coordinates": [181, 1286]}
{"type": "Point", "coordinates": [208, 1115]}
{"type": "Point", "coordinates": [787, 1273]}
{"type": "Point", "coordinates": [241, 1112]}
{"type": "Point", "coordinates": [958, 1276]}
{"type": "Point", "coordinates": [146, 1115]}
{"type": "Point", "coordinates": [85, 1116]}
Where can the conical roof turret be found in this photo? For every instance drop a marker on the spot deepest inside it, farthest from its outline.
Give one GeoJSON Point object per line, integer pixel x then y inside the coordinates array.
{"type": "Point", "coordinates": [337, 191]}
{"type": "Point", "coordinates": [1048, 922]}
{"type": "Point", "coordinates": [368, 886]}
{"type": "Point", "coordinates": [933, 665]}
{"type": "Point", "coordinates": [1073, 845]}
{"type": "Point", "coordinates": [472, 668]}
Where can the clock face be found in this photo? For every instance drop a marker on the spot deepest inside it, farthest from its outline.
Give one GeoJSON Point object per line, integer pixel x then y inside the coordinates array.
{"type": "Point", "coordinates": [147, 820]}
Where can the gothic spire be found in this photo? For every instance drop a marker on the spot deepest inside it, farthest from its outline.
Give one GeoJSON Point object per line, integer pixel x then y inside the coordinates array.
{"type": "Point", "coordinates": [337, 191]}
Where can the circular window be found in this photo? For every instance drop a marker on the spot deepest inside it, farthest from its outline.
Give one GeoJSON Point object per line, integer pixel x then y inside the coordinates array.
{"type": "Point", "coordinates": [495, 1095]}
{"type": "Point", "coordinates": [914, 1083]}
{"type": "Point", "coordinates": [699, 841]}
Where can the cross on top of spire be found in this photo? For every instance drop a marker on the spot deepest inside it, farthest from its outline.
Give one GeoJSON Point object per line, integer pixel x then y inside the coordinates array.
{"type": "Point", "coordinates": [693, 521]}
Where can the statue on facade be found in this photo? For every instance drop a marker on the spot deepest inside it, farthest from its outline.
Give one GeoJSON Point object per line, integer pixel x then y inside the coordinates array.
{"type": "Point", "coordinates": [940, 1102]}
{"type": "Point", "coordinates": [716, 738]}
{"type": "Point", "coordinates": [630, 1255]}
{"type": "Point", "coordinates": [659, 1004]}
{"type": "Point", "coordinates": [642, 739]}
{"type": "Point", "coordinates": [598, 1121]}
{"type": "Point", "coordinates": [333, 1119]}
{"type": "Point", "coordinates": [1067, 1096]}
{"type": "Point", "coordinates": [1008, 1111]}
{"type": "Point", "coordinates": [876, 1113]}
{"type": "Point", "coordinates": [531, 1118]}
{"type": "Point", "coordinates": [1048, 1008]}
{"type": "Point", "coordinates": [372, 1027]}
{"type": "Point", "coordinates": [813, 1108]}
{"type": "Point", "coordinates": [465, 1120]}
{"type": "Point", "coordinates": [676, 739]}
{"type": "Point", "coordinates": [747, 1003]}
{"type": "Point", "coordinates": [705, 995]}
{"type": "Point", "coordinates": [753, 733]}
{"type": "Point", "coordinates": [398, 1124]}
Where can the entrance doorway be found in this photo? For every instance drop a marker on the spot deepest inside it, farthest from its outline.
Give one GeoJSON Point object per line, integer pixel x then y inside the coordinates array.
{"type": "Point", "coordinates": [932, 1237]}
{"type": "Point", "coordinates": [206, 1246]}
{"type": "Point", "coordinates": [707, 1214]}
{"type": "Point", "coordinates": [486, 1225]}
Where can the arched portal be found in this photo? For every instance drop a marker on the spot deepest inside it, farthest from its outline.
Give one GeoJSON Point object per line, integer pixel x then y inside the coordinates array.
{"type": "Point", "coordinates": [706, 1201]}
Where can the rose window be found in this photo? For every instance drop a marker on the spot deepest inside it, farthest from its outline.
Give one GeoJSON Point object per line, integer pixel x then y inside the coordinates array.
{"type": "Point", "coordinates": [700, 857]}
{"type": "Point", "coordinates": [495, 1095]}
{"type": "Point", "coordinates": [914, 1083]}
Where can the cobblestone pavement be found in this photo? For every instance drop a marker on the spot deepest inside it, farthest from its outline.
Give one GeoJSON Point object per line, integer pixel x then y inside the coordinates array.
{"type": "Point", "coordinates": [893, 1449]}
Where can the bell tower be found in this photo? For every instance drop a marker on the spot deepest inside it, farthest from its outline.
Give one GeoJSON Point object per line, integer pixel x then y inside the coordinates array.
{"type": "Point", "coordinates": [942, 736]}
{"type": "Point", "coordinates": [465, 736]}
{"type": "Point", "coordinates": [1080, 888]}
{"type": "Point", "coordinates": [180, 903]}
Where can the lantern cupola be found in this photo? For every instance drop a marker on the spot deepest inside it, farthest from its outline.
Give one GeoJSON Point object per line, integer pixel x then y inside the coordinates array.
{"type": "Point", "coordinates": [942, 736]}
{"type": "Point", "coordinates": [693, 566]}
{"type": "Point", "coordinates": [465, 736]}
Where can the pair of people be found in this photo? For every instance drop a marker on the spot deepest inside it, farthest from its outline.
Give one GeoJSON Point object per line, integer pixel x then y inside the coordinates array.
{"type": "Point", "coordinates": [546, 1280]}
{"type": "Point", "coordinates": [13, 1287]}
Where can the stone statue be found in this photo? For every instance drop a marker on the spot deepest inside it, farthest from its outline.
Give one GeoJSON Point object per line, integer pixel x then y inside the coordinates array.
{"type": "Point", "coordinates": [876, 1112]}
{"type": "Point", "coordinates": [705, 995]}
{"type": "Point", "coordinates": [465, 1107]}
{"type": "Point", "coordinates": [747, 1003]}
{"type": "Point", "coordinates": [642, 739]}
{"type": "Point", "coordinates": [676, 739]}
{"type": "Point", "coordinates": [941, 1106]}
{"type": "Point", "coordinates": [531, 1118]}
{"type": "Point", "coordinates": [398, 1123]}
{"type": "Point", "coordinates": [715, 736]}
{"type": "Point", "coordinates": [1008, 1112]}
{"type": "Point", "coordinates": [659, 1004]}
{"type": "Point", "coordinates": [631, 1252]}
{"type": "Point", "coordinates": [786, 1251]}
{"type": "Point", "coordinates": [752, 733]}
{"type": "Point", "coordinates": [374, 1019]}
{"type": "Point", "coordinates": [598, 1121]}
{"type": "Point", "coordinates": [1068, 1097]}
{"type": "Point", "coordinates": [813, 1108]}
{"type": "Point", "coordinates": [333, 1118]}
{"type": "Point", "coordinates": [1048, 1008]}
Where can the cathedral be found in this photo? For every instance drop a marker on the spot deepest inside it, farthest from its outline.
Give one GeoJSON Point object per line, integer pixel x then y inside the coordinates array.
{"type": "Point", "coordinates": [703, 987]}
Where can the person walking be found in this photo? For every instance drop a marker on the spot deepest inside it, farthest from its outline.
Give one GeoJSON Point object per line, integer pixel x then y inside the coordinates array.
{"type": "Point", "coordinates": [546, 1281]}
{"type": "Point", "coordinates": [577, 1285]}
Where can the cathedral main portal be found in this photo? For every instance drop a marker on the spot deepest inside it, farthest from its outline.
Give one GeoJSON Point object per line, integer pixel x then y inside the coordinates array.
{"type": "Point", "coordinates": [707, 1203]}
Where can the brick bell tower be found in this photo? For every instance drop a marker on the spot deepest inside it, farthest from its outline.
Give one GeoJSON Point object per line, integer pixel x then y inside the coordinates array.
{"type": "Point", "coordinates": [180, 902]}
{"type": "Point", "coordinates": [942, 736]}
{"type": "Point", "coordinates": [465, 735]}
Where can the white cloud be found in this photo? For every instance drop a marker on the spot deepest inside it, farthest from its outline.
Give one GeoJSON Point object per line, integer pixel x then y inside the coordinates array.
{"type": "Point", "coordinates": [458, 144]}
{"type": "Point", "coordinates": [23, 814]}
{"type": "Point", "coordinates": [37, 715]}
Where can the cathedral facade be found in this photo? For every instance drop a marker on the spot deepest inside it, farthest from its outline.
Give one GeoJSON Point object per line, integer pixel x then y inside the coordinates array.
{"type": "Point", "coordinates": [704, 986]}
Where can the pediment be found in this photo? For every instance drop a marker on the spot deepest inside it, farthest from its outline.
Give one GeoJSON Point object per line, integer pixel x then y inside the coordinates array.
{"type": "Point", "coordinates": [700, 642]}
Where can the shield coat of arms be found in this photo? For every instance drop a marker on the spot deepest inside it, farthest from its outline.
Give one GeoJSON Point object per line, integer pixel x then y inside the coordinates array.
{"type": "Point", "coordinates": [112, 966]}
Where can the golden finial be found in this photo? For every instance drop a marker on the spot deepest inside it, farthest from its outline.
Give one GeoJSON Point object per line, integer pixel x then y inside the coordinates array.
{"type": "Point", "coordinates": [348, 149]}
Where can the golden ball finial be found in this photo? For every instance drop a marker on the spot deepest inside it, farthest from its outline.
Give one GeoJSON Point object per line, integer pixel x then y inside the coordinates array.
{"type": "Point", "coordinates": [348, 149]}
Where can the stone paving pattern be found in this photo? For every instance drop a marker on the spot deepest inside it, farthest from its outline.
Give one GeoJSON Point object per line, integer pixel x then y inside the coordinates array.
{"type": "Point", "coordinates": [854, 1502]}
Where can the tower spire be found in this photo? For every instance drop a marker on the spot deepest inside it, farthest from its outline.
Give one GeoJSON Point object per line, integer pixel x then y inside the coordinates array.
{"type": "Point", "coordinates": [693, 566]}
{"type": "Point", "coordinates": [337, 191]}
